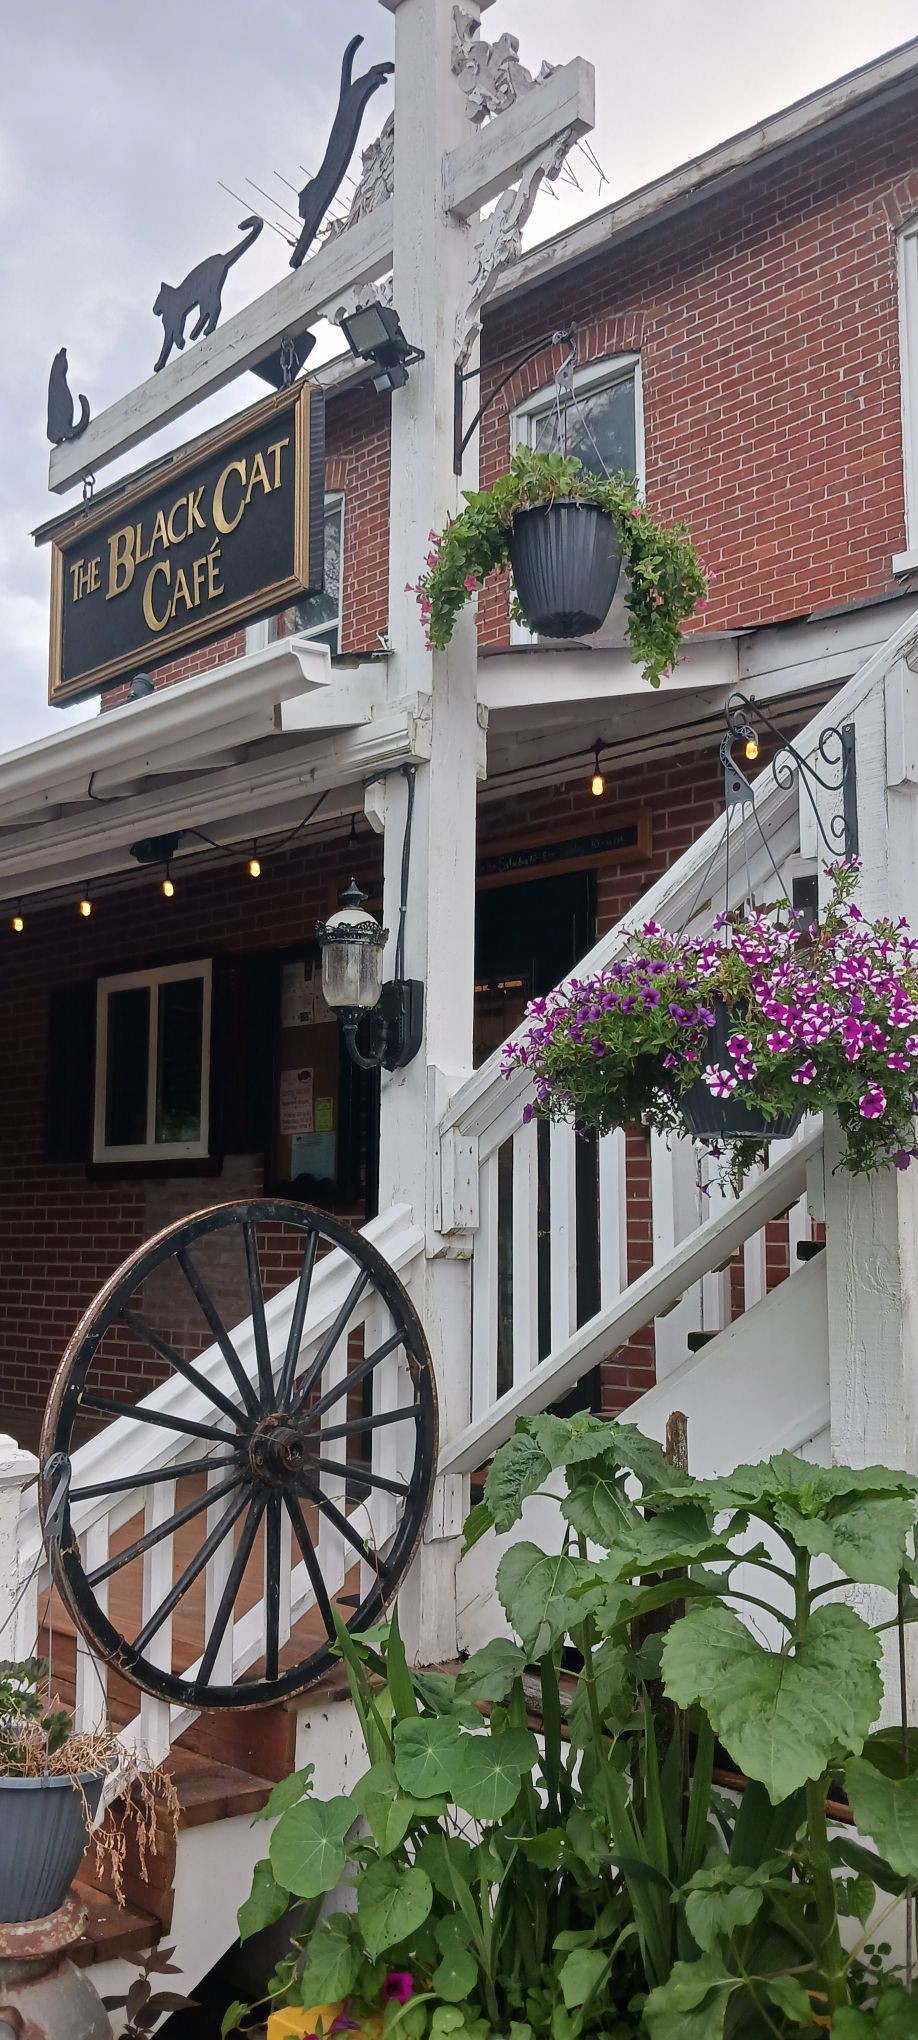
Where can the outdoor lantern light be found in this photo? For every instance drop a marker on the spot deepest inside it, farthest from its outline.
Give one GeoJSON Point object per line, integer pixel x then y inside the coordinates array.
{"type": "Point", "coordinates": [352, 944]}
{"type": "Point", "coordinates": [375, 334]}
{"type": "Point", "coordinates": [751, 747]}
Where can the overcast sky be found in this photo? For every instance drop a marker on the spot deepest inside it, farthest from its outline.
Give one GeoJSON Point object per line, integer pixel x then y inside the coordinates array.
{"type": "Point", "coordinates": [117, 123]}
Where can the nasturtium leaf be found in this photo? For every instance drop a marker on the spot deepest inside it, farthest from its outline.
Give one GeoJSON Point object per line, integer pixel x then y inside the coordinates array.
{"type": "Point", "coordinates": [490, 1674]}
{"type": "Point", "coordinates": [307, 1846]}
{"type": "Point", "coordinates": [456, 1973]}
{"type": "Point", "coordinates": [391, 1903]}
{"type": "Point", "coordinates": [379, 1779]}
{"type": "Point", "coordinates": [865, 1536]}
{"type": "Point", "coordinates": [716, 1904]}
{"type": "Point", "coordinates": [544, 1849]}
{"type": "Point", "coordinates": [692, 2003]}
{"type": "Point", "coordinates": [579, 1974]}
{"type": "Point", "coordinates": [537, 1594]}
{"type": "Point", "coordinates": [287, 1793]}
{"type": "Point", "coordinates": [788, 1994]}
{"type": "Point", "coordinates": [267, 1901]}
{"type": "Point", "coordinates": [781, 1717]}
{"type": "Point", "coordinates": [518, 1470]}
{"type": "Point", "coordinates": [448, 1861]}
{"type": "Point", "coordinates": [441, 1694]}
{"type": "Point", "coordinates": [425, 1754]}
{"type": "Point", "coordinates": [886, 1809]}
{"type": "Point", "coordinates": [389, 1820]}
{"type": "Point", "coordinates": [857, 1897]}
{"type": "Point", "coordinates": [447, 2020]}
{"type": "Point", "coordinates": [488, 1769]}
{"type": "Point", "coordinates": [892, 2018]}
{"type": "Point", "coordinates": [334, 1960]}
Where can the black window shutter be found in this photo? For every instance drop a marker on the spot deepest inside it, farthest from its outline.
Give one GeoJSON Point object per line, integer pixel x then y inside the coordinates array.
{"type": "Point", "coordinates": [70, 1073]}
{"type": "Point", "coordinates": [242, 1046]}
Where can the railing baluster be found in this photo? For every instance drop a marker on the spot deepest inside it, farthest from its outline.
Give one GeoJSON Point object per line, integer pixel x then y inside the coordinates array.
{"type": "Point", "coordinates": [613, 1217]}
{"type": "Point", "coordinates": [156, 1715]}
{"type": "Point", "coordinates": [484, 1292]}
{"type": "Point", "coordinates": [215, 1577]}
{"type": "Point", "coordinates": [525, 1269]}
{"type": "Point", "coordinates": [562, 1209]}
{"type": "Point", "coordinates": [91, 1709]}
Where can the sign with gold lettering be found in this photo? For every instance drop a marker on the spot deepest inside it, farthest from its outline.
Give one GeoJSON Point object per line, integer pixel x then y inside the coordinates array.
{"type": "Point", "coordinates": [231, 531]}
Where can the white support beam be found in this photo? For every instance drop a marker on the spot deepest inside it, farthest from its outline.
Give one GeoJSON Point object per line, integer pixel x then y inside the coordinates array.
{"type": "Point", "coordinates": [363, 252]}
{"type": "Point", "coordinates": [479, 169]}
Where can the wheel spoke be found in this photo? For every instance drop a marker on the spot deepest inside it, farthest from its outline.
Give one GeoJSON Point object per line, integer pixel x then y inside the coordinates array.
{"type": "Point", "coordinates": [142, 1480]}
{"type": "Point", "coordinates": [259, 1322]}
{"type": "Point", "coordinates": [108, 1407]}
{"type": "Point", "coordinates": [356, 1375]}
{"type": "Point", "coordinates": [190, 1574]}
{"type": "Point", "coordinates": [355, 1425]}
{"type": "Point", "coordinates": [231, 1588]}
{"type": "Point", "coordinates": [343, 1526]}
{"type": "Point", "coordinates": [330, 1340]}
{"type": "Point", "coordinates": [297, 1321]}
{"type": "Point", "coordinates": [311, 1562]}
{"type": "Point", "coordinates": [362, 1477]}
{"type": "Point", "coordinates": [181, 1365]}
{"type": "Point", "coordinates": [218, 1330]}
{"type": "Point", "coordinates": [272, 1585]}
{"type": "Point", "coordinates": [151, 1537]}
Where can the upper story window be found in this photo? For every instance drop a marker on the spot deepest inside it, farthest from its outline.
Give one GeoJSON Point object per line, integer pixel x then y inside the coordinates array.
{"type": "Point", "coordinates": [603, 428]}
{"type": "Point", "coordinates": [908, 357]}
{"type": "Point", "coordinates": [320, 616]}
{"type": "Point", "coordinates": [152, 1088]}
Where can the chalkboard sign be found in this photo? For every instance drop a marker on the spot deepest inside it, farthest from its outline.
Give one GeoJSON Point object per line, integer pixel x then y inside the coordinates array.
{"type": "Point", "coordinates": [233, 530]}
{"type": "Point", "coordinates": [627, 840]}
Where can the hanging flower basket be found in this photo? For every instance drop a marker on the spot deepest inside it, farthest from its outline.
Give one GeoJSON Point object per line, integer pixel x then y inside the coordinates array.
{"type": "Point", "coordinates": [566, 535]}
{"type": "Point", "coordinates": [566, 559]}
{"type": "Point", "coordinates": [734, 1037]}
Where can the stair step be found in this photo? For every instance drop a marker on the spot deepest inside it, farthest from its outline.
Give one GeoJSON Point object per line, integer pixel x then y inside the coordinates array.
{"type": "Point", "coordinates": [211, 1791]}
{"type": "Point", "coordinates": [112, 1930]}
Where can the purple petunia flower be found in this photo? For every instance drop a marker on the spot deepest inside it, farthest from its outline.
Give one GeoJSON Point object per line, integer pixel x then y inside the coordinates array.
{"type": "Point", "coordinates": [804, 1074]}
{"type": "Point", "coordinates": [898, 1062]}
{"type": "Point", "coordinates": [738, 1045]}
{"type": "Point", "coordinates": [598, 1045]}
{"type": "Point", "coordinates": [719, 1081]}
{"type": "Point", "coordinates": [779, 1039]}
{"type": "Point", "coordinates": [399, 1986]}
{"type": "Point", "coordinates": [873, 1103]}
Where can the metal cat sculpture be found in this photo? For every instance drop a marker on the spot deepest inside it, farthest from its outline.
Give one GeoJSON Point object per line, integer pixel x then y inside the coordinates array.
{"type": "Point", "coordinates": [316, 196]}
{"type": "Point", "coordinates": [202, 288]}
{"type": "Point", "coordinates": [62, 422]}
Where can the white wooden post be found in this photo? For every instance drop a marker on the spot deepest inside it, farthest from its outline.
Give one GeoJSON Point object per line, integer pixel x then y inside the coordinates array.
{"type": "Point", "coordinates": [18, 1593]}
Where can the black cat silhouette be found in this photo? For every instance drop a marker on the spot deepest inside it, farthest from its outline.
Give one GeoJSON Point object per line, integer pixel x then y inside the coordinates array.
{"type": "Point", "coordinates": [61, 421]}
{"type": "Point", "coordinates": [317, 195]}
{"type": "Point", "coordinates": [202, 287]}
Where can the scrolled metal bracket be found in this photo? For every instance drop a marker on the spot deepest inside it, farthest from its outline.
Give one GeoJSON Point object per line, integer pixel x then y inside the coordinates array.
{"type": "Point", "coordinates": [836, 751]}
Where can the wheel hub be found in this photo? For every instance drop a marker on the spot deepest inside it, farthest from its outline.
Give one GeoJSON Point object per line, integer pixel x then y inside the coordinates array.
{"type": "Point", "coordinates": [279, 1450]}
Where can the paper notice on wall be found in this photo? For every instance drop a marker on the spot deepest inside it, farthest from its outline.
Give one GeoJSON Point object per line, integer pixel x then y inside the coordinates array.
{"type": "Point", "coordinates": [325, 1115]}
{"type": "Point", "coordinates": [296, 1101]}
{"type": "Point", "coordinates": [297, 1000]}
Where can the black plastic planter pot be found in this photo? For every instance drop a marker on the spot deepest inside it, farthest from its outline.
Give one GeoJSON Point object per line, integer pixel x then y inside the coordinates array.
{"type": "Point", "coordinates": [43, 1834]}
{"type": "Point", "coordinates": [566, 561]}
{"type": "Point", "coordinates": [710, 1118]}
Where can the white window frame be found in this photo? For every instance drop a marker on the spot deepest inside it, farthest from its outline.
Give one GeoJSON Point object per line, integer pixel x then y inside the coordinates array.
{"type": "Point", "coordinates": [907, 271]}
{"type": "Point", "coordinates": [152, 1150]}
{"type": "Point", "coordinates": [334, 500]}
{"type": "Point", "coordinates": [595, 375]}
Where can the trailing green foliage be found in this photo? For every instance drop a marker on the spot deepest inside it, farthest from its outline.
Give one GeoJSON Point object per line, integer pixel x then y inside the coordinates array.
{"type": "Point", "coordinates": [27, 1727]}
{"type": "Point", "coordinates": [664, 584]}
{"type": "Point", "coordinates": [594, 1881]}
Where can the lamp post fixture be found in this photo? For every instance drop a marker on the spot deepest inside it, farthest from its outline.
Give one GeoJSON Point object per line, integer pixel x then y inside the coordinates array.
{"type": "Point", "coordinates": [352, 944]}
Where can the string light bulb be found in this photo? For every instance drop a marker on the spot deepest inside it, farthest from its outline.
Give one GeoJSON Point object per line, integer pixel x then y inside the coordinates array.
{"type": "Point", "coordinates": [168, 885]}
{"type": "Point", "coordinates": [597, 783]}
{"type": "Point", "coordinates": [18, 921]}
{"type": "Point", "coordinates": [751, 746]}
{"type": "Point", "coordinates": [254, 867]}
{"type": "Point", "coordinates": [85, 907]}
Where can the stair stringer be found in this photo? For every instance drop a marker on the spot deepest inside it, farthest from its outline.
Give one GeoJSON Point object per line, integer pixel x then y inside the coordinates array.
{"type": "Point", "coordinates": [761, 1386]}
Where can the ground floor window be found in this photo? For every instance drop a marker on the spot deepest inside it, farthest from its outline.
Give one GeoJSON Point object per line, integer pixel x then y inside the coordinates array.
{"type": "Point", "coordinates": [319, 617]}
{"type": "Point", "coordinates": [152, 1074]}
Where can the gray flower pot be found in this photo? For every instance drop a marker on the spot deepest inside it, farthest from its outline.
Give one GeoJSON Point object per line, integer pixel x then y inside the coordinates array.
{"type": "Point", "coordinates": [566, 561]}
{"type": "Point", "coordinates": [710, 1118]}
{"type": "Point", "coordinates": [43, 1836]}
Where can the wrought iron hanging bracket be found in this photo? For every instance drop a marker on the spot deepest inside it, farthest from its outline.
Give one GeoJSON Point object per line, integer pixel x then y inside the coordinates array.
{"type": "Point", "coordinates": [461, 433]}
{"type": "Point", "coordinates": [836, 751]}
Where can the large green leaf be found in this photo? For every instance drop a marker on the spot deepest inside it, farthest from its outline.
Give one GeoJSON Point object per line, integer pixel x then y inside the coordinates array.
{"type": "Point", "coordinates": [720, 1900]}
{"type": "Point", "coordinates": [307, 1846]}
{"type": "Point", "coordinates": [692, 2003]}
{"type": "Point", "coordinates": [334, 1960]}
{"type": "Point", "coordinates": [267, 1901]}
{"type": "Point", "coordinates": [487, 1773]}
{"type": "Point", "coordinates": [615, 1696]}
{"type": "Point", "coordinates": [886, 1808]}
{"type": "Point", "coordinates": [456, 1974]}
{"type": "Point", "coordinates": [865, 1536]}
{"type": "Point", "coordinates": [425, 1754]}
{"type": "Point", "coordinates": [286, 1794]}
{"type": "Point", "coordinates": [490, 1674]}
{"type": "Point", "coordinates": [788, 1994]}
{"type": "Point", "coordinates": [449, 1862]}
{"type": "Point", "coordinates": [537, 1594]}
{"type": "Point", "coordinates": [580, 1973]}
{"type": "Point", "coordinates": [577, 1441]}
{"type": "Point", "coordinates": [519, 1469]}
{"type": "Point", "coordinates": [787, 1478]}
{"type": "Point", "coordinates": [782, 1718]}
{"type": "Point", "coordinates": [391, 1903]}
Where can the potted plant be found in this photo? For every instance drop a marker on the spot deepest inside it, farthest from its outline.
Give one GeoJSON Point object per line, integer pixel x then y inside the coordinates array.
{"type": "Point", "coordinates": [51, 1784]}
{"type": "Point", "coordinates": [595, 1881]}
{"type": "Point", "coordinates": [566, 534]}
{"type": "Point", "coordinates": [732, 1037]}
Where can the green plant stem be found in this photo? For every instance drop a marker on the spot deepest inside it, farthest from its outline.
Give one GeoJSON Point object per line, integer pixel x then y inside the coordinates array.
{"type": "Point", "coordinates": [832, 1953]}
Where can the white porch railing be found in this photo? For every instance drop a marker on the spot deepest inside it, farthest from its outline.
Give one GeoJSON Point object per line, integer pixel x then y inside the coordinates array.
{"type": "Point", "coordinates": [134, 1450]}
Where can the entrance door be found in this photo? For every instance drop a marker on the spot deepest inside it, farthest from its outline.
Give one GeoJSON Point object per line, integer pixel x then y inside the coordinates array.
{"type": "Point", "coordinates": [527, 937]}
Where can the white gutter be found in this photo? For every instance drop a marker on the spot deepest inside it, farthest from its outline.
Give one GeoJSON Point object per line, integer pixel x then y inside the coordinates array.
{"type": "Point", "coordinates": [233, 703]}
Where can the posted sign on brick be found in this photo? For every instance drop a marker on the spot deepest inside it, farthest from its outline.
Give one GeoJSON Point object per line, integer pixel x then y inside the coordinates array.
{"type": "Point", "coordinates": [231, 531]}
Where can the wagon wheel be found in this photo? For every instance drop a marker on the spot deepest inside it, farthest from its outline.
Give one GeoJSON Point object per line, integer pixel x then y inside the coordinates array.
{"type": "Point", "coordinates": [325, 1453]}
